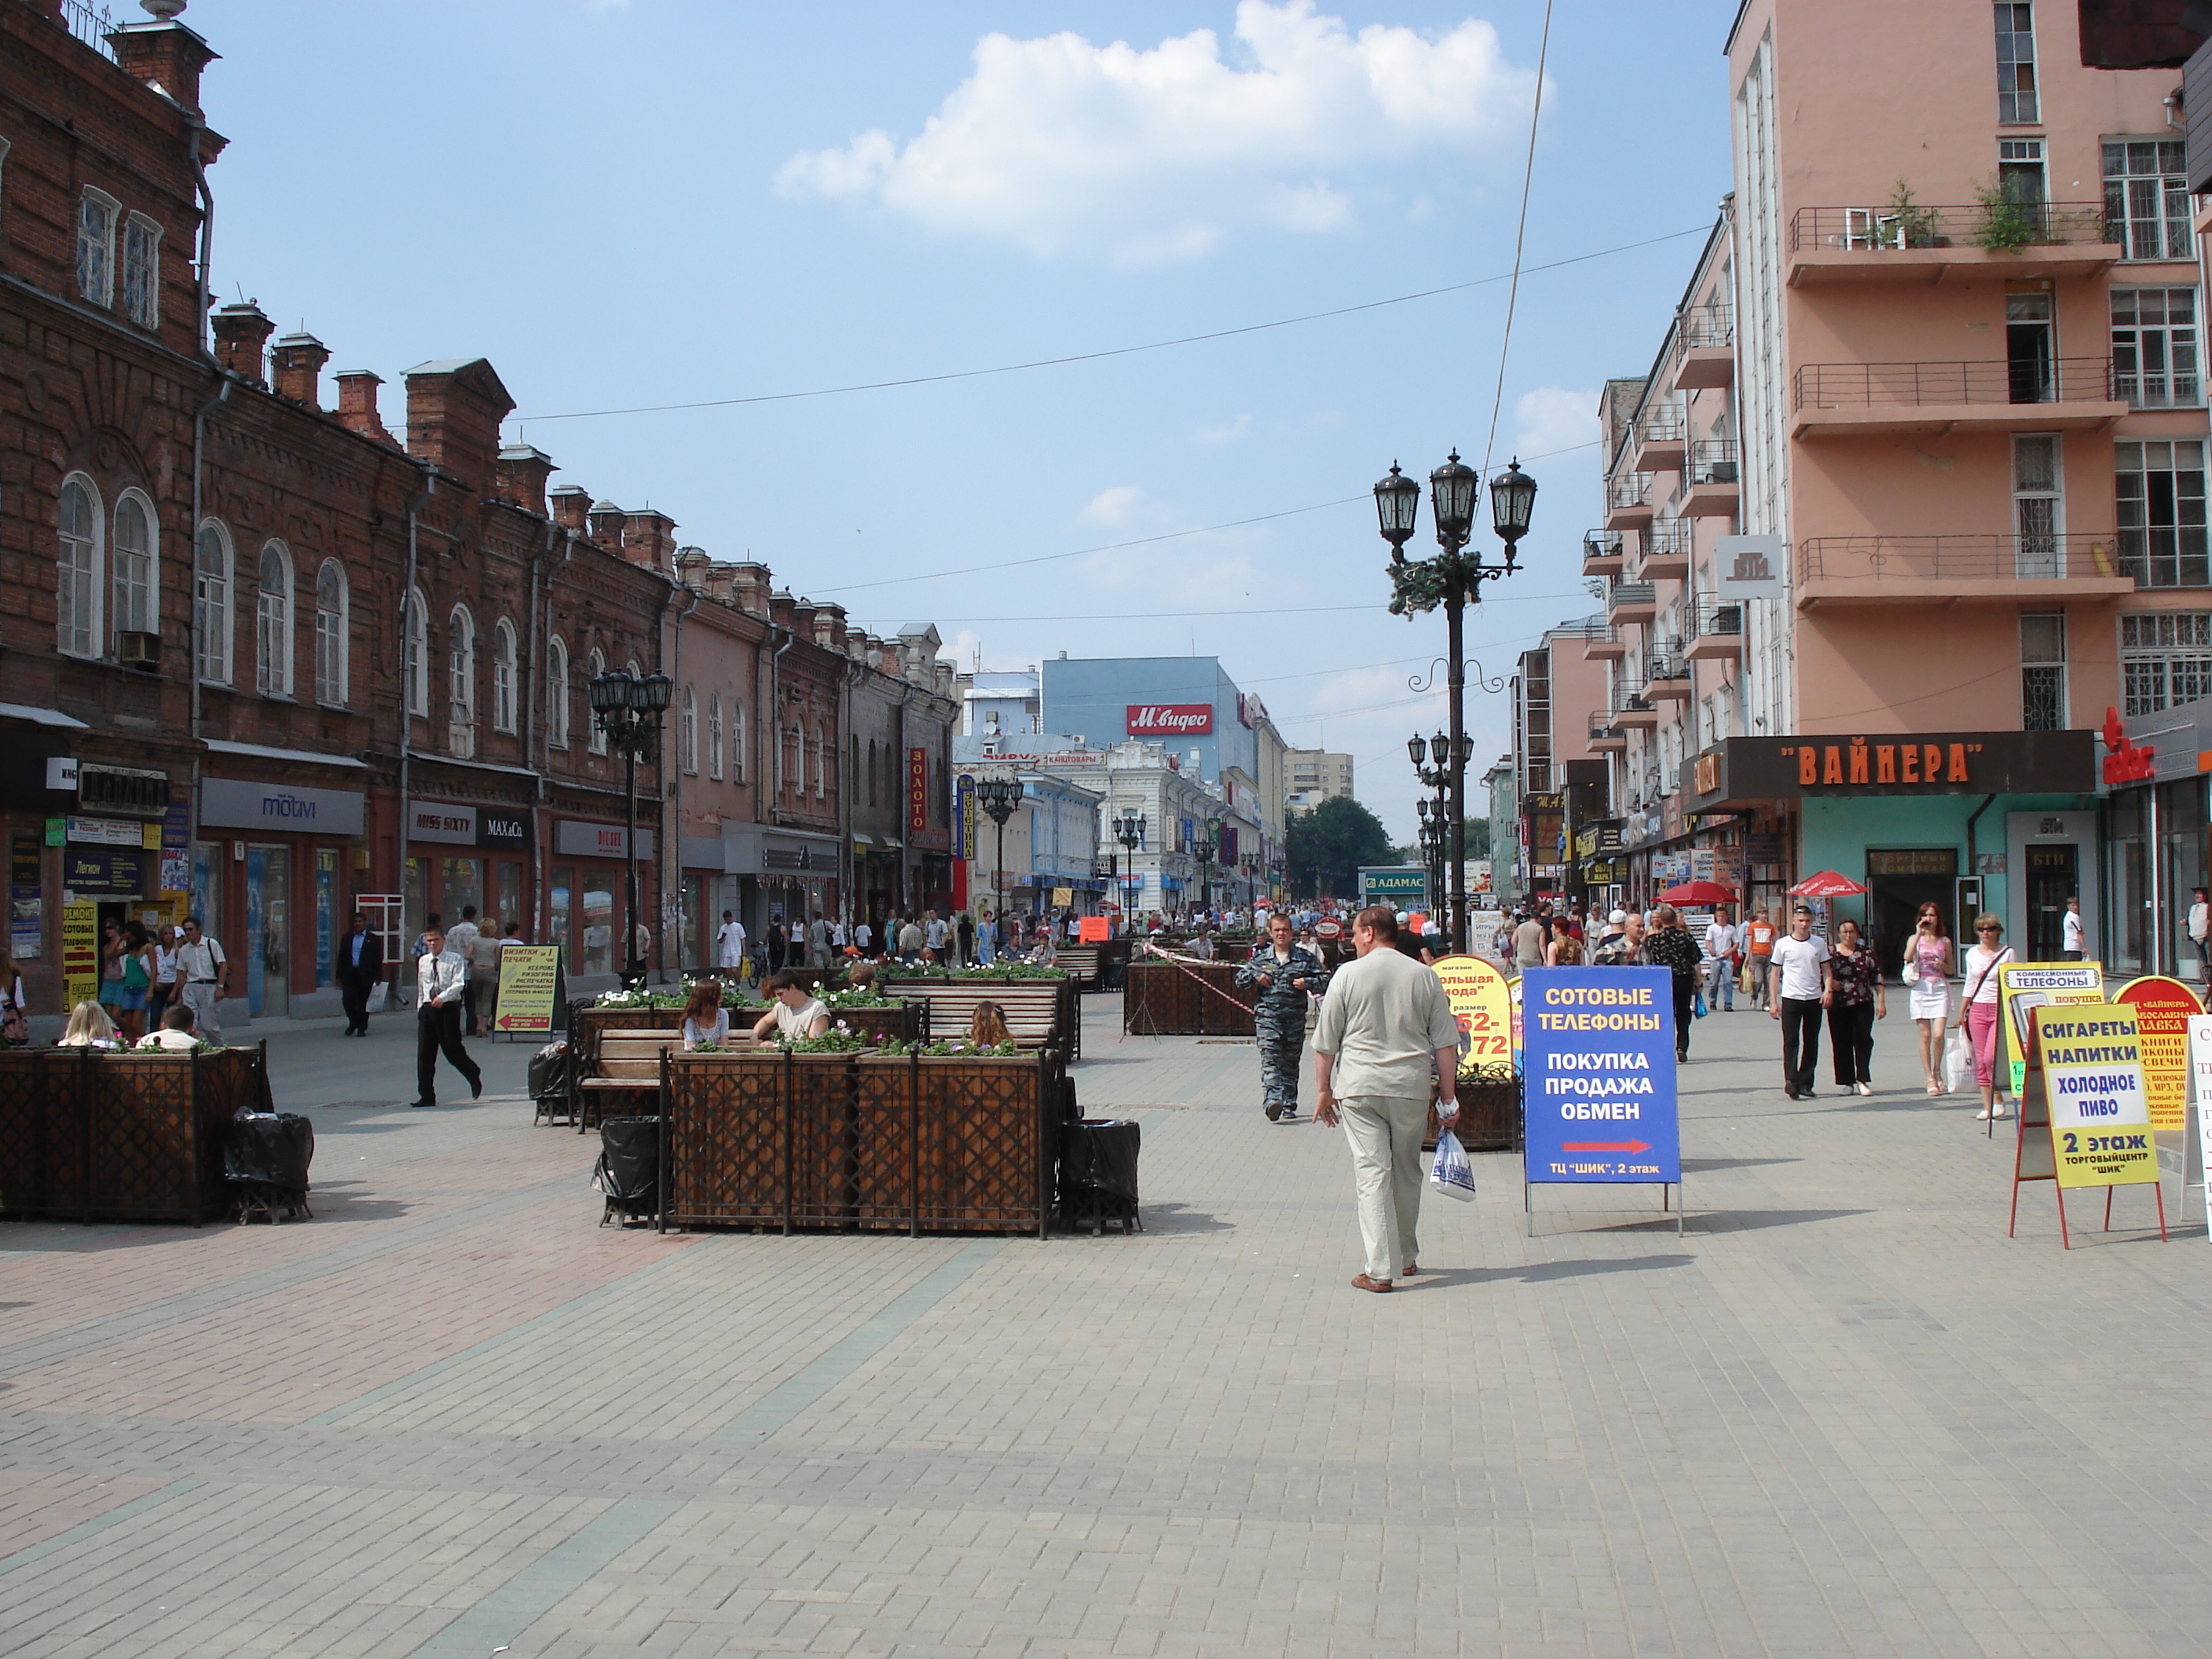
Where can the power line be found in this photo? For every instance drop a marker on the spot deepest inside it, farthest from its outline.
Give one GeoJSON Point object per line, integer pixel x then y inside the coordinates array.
{"type": "Point", "coordinates": [1154, 616]}
{"type": "Point", "coordinates": [1519, 233]}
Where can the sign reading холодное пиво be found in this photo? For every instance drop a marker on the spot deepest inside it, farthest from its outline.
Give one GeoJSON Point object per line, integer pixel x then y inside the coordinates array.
{"type": "Point", "coordinates": [1598, 1060]}
{"type": "Point", "coordinates": [2092, 1080]}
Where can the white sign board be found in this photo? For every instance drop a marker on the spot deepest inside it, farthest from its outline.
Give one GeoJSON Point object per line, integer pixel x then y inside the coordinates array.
{"type": "Point", "coordinates": [2200, 1101]}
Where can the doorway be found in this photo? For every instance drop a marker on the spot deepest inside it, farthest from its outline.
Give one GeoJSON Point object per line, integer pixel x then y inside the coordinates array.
{"type": "Point", "coordinates": [2054, 875]}
{"type": "Point", "coordinates": [2030, 349]}
{"type": "Point", "coordinates": [1899, 880]}
{"type": "Point", "coordinates": [268, 931]}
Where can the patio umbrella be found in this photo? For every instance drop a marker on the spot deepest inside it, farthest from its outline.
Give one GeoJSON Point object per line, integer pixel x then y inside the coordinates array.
{"type": "Point", "coordinates": [1827, 884]}
{"type": "Point", "coordinates": [1699, 892]}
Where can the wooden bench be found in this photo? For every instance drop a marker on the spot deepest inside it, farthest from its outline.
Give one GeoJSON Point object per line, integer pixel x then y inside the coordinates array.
{"type": "Point", "coordinates": [1032, 1007]}
{"type": "Point", "coordinates": [1080, 963]}
{"type": "Point", "coordinates": [621, 1063]}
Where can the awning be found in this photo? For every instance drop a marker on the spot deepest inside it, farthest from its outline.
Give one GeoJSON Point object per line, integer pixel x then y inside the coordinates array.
{"type": "Point", "coordinates": [24, 711]}
{"type": "Point", "coordinates": [298, 756]}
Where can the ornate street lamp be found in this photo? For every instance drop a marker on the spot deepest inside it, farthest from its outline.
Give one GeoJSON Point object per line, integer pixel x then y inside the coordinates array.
{"type": "Point", "coordinates": [628, 711]}
{"type": "Point", "coordinates": [998, 797]}
{"type": "Point", "coordinates": [1129, 830]}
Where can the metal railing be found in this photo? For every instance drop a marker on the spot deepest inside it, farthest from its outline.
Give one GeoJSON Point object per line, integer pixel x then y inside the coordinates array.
{"type": "Point", "coordinates": [1704, 326]}
{"type": "Point", "coordinates": [1660, 426]}
{"type": "Point", "coordinates": [1908, 559]}
{"type": "Point", "coordinates": [2029, 380]}
{"type": "Point", "coordinates": [1627, 489]}
{"type": "Point", "coordinates": [1666, 663]}
{"type": "Point", "coordinates": [1602, 545]}
{"type": "Point", "coordinates": [91, 23]}
{"type": "Point", "coordinates": [1601, 726]}
{"type": "Point", "coordinates": [1666, 538]}
{"type": "Point", "coordinates": [1996, 225]}
{"type": "Point", "coordinates": [1718, 618]}
{"type": "Point", "coordinates": [1623, 594]}
{"type": "Point", "coordinates": [1713, 461]}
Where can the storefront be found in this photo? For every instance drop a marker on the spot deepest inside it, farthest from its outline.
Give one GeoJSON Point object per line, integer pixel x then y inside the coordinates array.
{"type": "Point", "coordinates": [461, 854]}
{"type": "Point", "coordinates": [268, 871]}
{"type": "Point", "coordinates": [2154, 837]}
{"type": "Point", "coordinates": [584, 907]}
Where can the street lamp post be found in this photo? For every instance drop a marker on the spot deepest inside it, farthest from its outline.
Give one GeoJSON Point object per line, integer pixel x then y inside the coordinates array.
{"type": "Point", "coordinates": [1453, 580]}
{"type": "Point", "coordinates": [1129, 830]}
{"type": "Point", "coordinates": [997, 797]}
{"type": "Point", "coordinates": [629, 710]}
{"type": "Point", "coordinates": [1434, 815]}
{"type": "Point", "coordinates": [1209, 850]}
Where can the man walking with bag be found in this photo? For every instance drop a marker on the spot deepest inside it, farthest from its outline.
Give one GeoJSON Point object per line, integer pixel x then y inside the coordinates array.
{"type": "Point", "coordinates": [203, 974]}
{"type": "Point", "coordinates": [1386, 1029]}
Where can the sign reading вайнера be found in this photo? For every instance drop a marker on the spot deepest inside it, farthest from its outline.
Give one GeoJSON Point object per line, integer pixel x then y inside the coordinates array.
{"type": "Point", "coordinates": [1598, 1091]}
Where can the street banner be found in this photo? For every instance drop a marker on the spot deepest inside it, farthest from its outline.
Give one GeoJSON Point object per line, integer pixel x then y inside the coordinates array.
{"type": "Point", "coordinates": [1093, 930]}
{"type": "Point", "coordinates": [2196, 1162]}
{"type": "Point", "coordinates": [2023, 985]}
{"type": "Point", "coordinates": [529, 976]}
{"type": "Point", "coordinates": [1482, 1006]}
{"type": "Point", "coordinates": [1599, 1098]}
{"type": "Point", "coordinates": [80, 954]}
{"type": "Point", "coordinates": [2164, 1008]}
{"type": "Point", "coordinates": [1062, 897]}
{"type": "Point", "coordinates": [2090, 1059]}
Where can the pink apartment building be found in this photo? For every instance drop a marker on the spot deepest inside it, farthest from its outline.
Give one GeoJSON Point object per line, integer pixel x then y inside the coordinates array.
{"type": "Point", "coordinates": [1913, 494]}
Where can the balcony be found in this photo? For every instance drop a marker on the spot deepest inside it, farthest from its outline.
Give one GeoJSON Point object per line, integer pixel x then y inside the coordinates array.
{"type": "Point", "coordinates": [1630, 602]}
{"type": "Point", "coordinates": [1603, 644]}
{"type": "Point", "coordinates": [2009, 242]}
{"type": "Point", "coordinates": [1719, 635]}
{"type": "Point", "coordinates": [1657, 444]}
{"type": "Point", "coordinates": [1704, 349]}
{"type": "Point", "coordinates": [1913, 570]}
{"type": "Point", "coordinates": [1603, 739]}
{"type": "Point", "coordinates": [1670, 679]}
{"type": "Point", "coordinates": [1712, 491]}
{"type": "Point", "coordinates": [2029, 395]}
{"type": "Point", "coordinates": [1602, 553]}
{"type": "Point", "coordinates": [1634, 712]}
{"type": "Point", "coordinates": [1666, 553]}
{"type": "Point", "coordinates": [1625, 506]}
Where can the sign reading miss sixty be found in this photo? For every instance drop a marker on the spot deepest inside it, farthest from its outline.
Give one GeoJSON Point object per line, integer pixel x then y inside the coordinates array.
{"type": "Point", "coordinates": [1173, 719]}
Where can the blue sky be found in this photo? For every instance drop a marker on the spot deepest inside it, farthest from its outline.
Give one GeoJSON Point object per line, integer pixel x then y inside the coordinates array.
{"type": "Point", "coordinates": [661, 202]}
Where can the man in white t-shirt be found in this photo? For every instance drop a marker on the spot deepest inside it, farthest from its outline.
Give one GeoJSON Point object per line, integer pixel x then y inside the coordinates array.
{"type": "Point", "coordinates": [2076, 936]}
{"type": "Point", "coordinates": [1721, 940]}
{"type": "Point", "coordinates": [1803, 984]}
{"type": "Point", "coordinates": [2200, 931]}
{"type": "Point", "coordinates": [730, 942]}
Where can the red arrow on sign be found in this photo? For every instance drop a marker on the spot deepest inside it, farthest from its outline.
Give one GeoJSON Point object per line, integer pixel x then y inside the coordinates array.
{"type": "Point", "coordinates": [1605, 1147]}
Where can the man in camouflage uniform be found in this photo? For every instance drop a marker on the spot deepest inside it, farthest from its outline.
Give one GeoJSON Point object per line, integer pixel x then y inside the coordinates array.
{"type": "Point", "coordinates": [1283, 973]}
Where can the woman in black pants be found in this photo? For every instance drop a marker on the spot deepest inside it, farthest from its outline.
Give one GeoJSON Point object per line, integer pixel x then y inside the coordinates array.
{"type": "Point", "coordinates": [1668, 944]}
{"type": "Point", "coordinates": [1859, 1000]}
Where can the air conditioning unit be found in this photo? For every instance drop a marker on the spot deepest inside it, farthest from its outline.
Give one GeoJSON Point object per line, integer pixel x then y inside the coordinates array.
{"type": "Point", "coordinates": [137, 650]}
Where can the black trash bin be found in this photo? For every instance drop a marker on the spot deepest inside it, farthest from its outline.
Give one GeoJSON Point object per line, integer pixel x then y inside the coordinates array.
{"type": "Point", "coordinates": [629, 1170]}
{"type": "Point", "coordinates": [1098, 1173]}
{"type": "Point", "coordinates": [549, 1071]}
{"type": "Point", "coordinates": [265, 1157]}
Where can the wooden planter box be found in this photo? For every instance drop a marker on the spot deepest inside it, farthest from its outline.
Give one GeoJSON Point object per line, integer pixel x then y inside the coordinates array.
{"type": "Point", "coordinates": [91, 1136]}
{"type": "Point", "coordinates": [1066, 994]}
{"type": "Point", "coordinates": [1176, 998]}
{"type": "Point", "coordinates": [908, 1021]}
{"type": "Point", "coordinates": [1489, 1117]}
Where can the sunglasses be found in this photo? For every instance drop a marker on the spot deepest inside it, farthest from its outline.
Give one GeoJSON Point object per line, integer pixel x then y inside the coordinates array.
{"type": "Point", "coordinates": [1989, 930]}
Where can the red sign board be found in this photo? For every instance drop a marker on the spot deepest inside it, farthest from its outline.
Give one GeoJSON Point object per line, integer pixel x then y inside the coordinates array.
{"type": "Point", "coordinates": [917, 789]}
{"type": "Point", "coordinates": [1171, 720]}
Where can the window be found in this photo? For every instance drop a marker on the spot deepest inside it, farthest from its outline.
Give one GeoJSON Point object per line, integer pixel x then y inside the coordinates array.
{"type": "Point", "coordinates": [2155, 348]}
{"type": "Point", "coordinates": [714, 737]}
{"type": "Point", "coordinates": [875, 770]}
{"type": "Point", "coordinates": [76, 624]}
{"type": "Point", "coordinates": [2038, 509]}
{"type": "Point", "coordinates": [272, 631]}
{"type": "Point", "coordinates": [2166, 659]}
{"type": "Point", "coordinates": [737, 741]}
{"type": "Point", "coordinates": [96, 248]}
{"type": "Point", "coordinates": [2016, 100]}
{"type": "Point", "coordinates": [2159, 488]}
{"type": "Point", "coordinates": [331, 637]}
{"type": "Point", "coordinates": [415, 652]}
{"type": "Point", "coordinates": [852, 780]}
{"type": "Point", "coordinates": [821, 764]}
{"type": "Point", "coordinates": [461, 682]}
{"type": "Point", "coordinates": [2147, 198]}
{"type": "Point", "coordinates": [2043, 672]}
{"type": "Point", "coordinates": [142, 270]}
{"type": "Point", "coordinates": [594, 665]}
{"type": "Point", "coordinates": [212, 602]}
{"type": "Point", "coordinates": [134, 566]}
{"type": "Point", "coordinates": [503, 657]}
{"type": "Point", "coordinates": [687, 733]}
{"type": "Point", "coordinates": [557, 693]}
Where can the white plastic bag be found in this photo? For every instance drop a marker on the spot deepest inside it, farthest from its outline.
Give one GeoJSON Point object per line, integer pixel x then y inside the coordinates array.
{"type": "Point", "coordinates": [1958, 1061]}
{"type": "Point", "coordinates": [1451, 1174]}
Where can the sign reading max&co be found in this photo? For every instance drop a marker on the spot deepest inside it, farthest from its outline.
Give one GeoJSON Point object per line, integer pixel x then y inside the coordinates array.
{"type": "Point", "coordinates": [1896, 763]}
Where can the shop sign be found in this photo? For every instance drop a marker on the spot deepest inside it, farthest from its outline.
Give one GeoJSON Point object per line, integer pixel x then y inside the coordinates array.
{"type": "Point", "coordinates": [2164, 1008]}
{"type": "Point", "coordinates": [963, 815]}
{"type": "Point", "coordinates": [108, 832]}
{"type": "Point", "coordinates": [1928, 763]}
{"type": "Point", "coordinates": [454, 824]}
{"type": "Point", "coordinates": [1379, 884]}
{"type": "Point", "coordinates": [2092, 1089]}
{"type": "Point", "coordinates": [1599, 1046]}
{"type": "Point", "coordinates": [579, 839]}
{"type": "Point", "coordinates": [80, 953]}
{"type": "Point", "coordinates": [499, 828]}
{"type": "Point", "coordinates": [131, 789]}
{"type": "Point", "coordinates": [2128, 762]}
{"type": "Point", "coordinates": [2024, 987]}
{"type": "Point", "coordinates": [292, 810]}
{"type": "Point", "coordinates": [529, 976]}
{"type": "Point", "coordinates": [1169, 720]}
{"type": "Point", "coordinates": [1479, 1004]}
{"type": "Point", "coordinates": [917, 790]}
{"type": "Point", "coordinates": [1600, 873]}
{"type": "Point", "coordinates": [110, 872]}
{"type": "Point", "coordinates": [1062, 897]}
{"type": "Point", "coordinates": [61, 772]}
{"type": "Point", "coordinates": [1751, 566]}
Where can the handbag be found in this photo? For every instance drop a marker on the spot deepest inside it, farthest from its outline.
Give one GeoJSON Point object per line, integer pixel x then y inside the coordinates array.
{"type": "Point", "coordinates": [1911, 970]}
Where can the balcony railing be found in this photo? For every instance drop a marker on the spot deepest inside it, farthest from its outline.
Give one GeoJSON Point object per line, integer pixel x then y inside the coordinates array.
{"type": "Point", "coordinates": [90, 23]}
{"type": "Point", "coordinates": [1627, 595]}
{"type": "Point", "coordinates": [1995, 226]}
{"type": "Point", "coordinates": [1666, 542]}
{"type": "Point", "coordinates": [2157, 385]}
{"type": "Point", "coordinates": [1602, 545]}
{"type": "Point", "coordinates": [1909, 559]}
{"type": "Point", "coordinates": [1704, 327]}
{"type": "Point", "coordinates": [1627, 489]}
{"type": "Point", "coordinates": [1663, 425]}
{"type": "Point", "coordinates": [1715, 618]}
{"type": "Point", "coordinates": [1713, 461]}
{"type": "Point", "coordinates": [2028, 380]}
{"type": "Point", "coordinates": [1667, 662]}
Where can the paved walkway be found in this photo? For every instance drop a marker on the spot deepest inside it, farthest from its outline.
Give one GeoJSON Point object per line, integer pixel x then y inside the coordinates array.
{"type": "Point", "coordinates": [1844, 1415]}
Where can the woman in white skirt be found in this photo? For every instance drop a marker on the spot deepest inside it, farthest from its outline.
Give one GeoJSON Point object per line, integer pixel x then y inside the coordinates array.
{"type": "Point", "coordinates": [1928, 964]}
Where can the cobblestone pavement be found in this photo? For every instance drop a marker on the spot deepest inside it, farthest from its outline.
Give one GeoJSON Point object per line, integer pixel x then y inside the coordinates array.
{"type": "Point", "coordinates": [1843, 1414]}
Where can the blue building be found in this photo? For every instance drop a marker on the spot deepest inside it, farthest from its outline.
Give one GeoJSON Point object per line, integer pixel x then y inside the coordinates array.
{"type": "Point", "coordinates": [1185, 704]}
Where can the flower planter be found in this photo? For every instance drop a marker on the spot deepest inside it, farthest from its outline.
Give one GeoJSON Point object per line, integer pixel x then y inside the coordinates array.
{"type": "Point", "coordinates": [1185, 999]}
{"type": "Point", "coordinates": [1489, 1116]}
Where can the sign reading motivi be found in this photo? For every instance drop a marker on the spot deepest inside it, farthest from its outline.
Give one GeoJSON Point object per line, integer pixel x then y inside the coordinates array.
{"type": "Point", "coordinates": [1169, 719]}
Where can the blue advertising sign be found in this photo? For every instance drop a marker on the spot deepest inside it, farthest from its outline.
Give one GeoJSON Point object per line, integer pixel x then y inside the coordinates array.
{"type": "Point", "coordinates": [1598, 1046]}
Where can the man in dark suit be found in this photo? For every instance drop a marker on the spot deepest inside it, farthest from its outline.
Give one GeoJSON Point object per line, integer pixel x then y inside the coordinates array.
{"type": "Point", "coordinates": [359, 965]}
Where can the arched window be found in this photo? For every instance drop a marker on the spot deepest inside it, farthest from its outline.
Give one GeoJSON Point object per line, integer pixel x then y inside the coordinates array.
{"type": "Point", "coordinates": [272, 630]}
{"type": "Point", "coordinates": [212, 602]}
{"type": "Point", "coordinates": [594, 665]}
{"type": "Point", "coordinates": [737, 741]}
{"type": "Point", "coordinates": [714, 737]}
{"type": "Point", "coordinates": [333, 641]}
{"type": "Point", "coordinates": [415, 652]}
{"type": "Point", "coordinates": [502, 676]}
{"type": "Point", "coordinates": [136, 562]}
{"type": "Point", "coordinates": [557, 693]}
{"type": "Point", "coordinates": [820, 763]}
{"type": "Point", "coordinates": [853, 773]}
{"type": "Point", "coordinates": [874, 771]}
{"type": "Point", "coordinates": [461, 681]}
{"type": "Point", "coordinates": [687, 733]}
{"type": "Point", "coordinates": [76, 623]}
{"type": "Point", "coordinates": [791, 763]}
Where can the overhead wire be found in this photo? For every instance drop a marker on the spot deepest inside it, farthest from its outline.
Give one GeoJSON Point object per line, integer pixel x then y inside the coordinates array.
{"type": "Point", "coordinates": [1520, 235]}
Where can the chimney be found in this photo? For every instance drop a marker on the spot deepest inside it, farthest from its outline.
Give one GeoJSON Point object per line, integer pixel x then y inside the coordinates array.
{"type": "Point", "coordinates": [163, 53]}
{"type": "Point", "coordinates": [299, 360]}
{"type": "Point", "coordinates": [692, 568]}
{"type": "Point", "coordinates": [887, 657]}
{"type": "Point", "coordinates": [240, 331]}
{"type": "Point", "coordinates": [779, 606]}
{"type": "Point", "coordinates": [357, 403]}
{"type": "Point", "coordinates": [571, 503]}
{"type": "Point", "coordinates": [751, 582]}
{"type": "Point", "coordinates": [454, 407]}
{"type": "Point", "coordinates": [650, 539]}
{"type": "Point", "coordinates": [829, 627]}
{"type": "Point", "coordinates": [605, 521]}
{"type": "Point", "coordinates": [721, 583]}
{"type": "Point", "coordinates": [522, 474]}
{"type": "Point", "coordinates": [944, 673]}
{"type": "Point", "coordinates": [802, 618]}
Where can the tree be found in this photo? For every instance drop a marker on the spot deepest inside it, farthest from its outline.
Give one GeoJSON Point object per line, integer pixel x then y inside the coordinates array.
{"type": "Point", "coordinates": [1334, 840]}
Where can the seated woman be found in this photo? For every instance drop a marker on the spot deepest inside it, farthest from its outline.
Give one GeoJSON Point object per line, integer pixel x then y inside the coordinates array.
{"type": "Point", "coordinates": [705, 1020]}
{"type": "Point", "coordinates": [88, 1027]}
{"type": "Point", "coordinates": [989, 1029]}
{"type": "Point", "coordinates": [176, 1033]}
{"type": "Point", "coordinates": [798, 1012]}
{"type": "Point", "coordinates": [860, 977]}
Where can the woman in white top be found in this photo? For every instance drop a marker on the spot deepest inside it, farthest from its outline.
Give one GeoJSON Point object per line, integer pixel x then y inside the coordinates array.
{"type": "Point", "coordinates": [706, 1022]}
{"type": "Point", "coordinates": [798, 1012]}
{"type": "Point", "coordinates": [163, 992]}
{"type": "Point", "coordinates": [1978, 1012]}
{"type": "Point", "coordinates": [90, 1027]}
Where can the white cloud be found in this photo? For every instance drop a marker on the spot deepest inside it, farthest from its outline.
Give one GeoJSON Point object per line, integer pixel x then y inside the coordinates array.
{"type": "Point", "coordinates": [1554, 417]}
{"type": "Point", "coordinates": [1114, 506]}
{"type": "Point", "coordinates": [1228, 433]}
{"type": "Point", "coordinates": [1154, 155]}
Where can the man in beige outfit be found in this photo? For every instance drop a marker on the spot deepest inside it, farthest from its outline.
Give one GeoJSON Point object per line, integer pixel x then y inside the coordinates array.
{"type": "Point", "coordinates": [1386, 1028]}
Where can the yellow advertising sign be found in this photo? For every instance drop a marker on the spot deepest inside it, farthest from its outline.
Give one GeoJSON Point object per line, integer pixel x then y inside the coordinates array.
{"type": "Point", "coordinates": [2163, 1009]}
{"type": "Point", "coordinates": [529, 978]}
{"type": "Point", "coordinates": [1062, 897]}
{"type": "Point", "coordinates": [80, 954]}
{"type": "Point", "coordinates": [2025, 986]}
{"type": "Point", "coordinates": [2091, 1058]}
{"type": "Point", "coordinates": [1483, 1004]}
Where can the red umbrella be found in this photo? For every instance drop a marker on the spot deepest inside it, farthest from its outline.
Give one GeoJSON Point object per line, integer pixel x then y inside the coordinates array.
{"type": "Point", "coordinates": [1699, 892]}
{"type": "Point", "coordinates": [1827, 884]}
